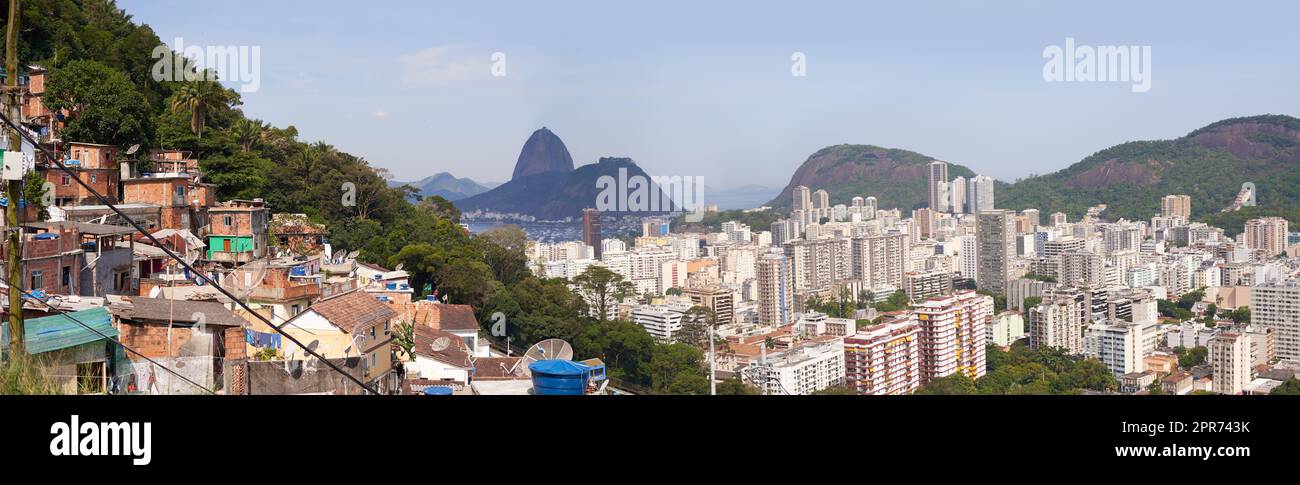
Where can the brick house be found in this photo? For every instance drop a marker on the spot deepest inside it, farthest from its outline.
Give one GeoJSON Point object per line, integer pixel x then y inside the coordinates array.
{"type": "Point", "coordinates": [52, 260]}
{"type": "Point", "coordinates": [237, 231]}
{"type": "Point", "coordinates": [196, 338]}
{"type": "Point", "coordinates": [107, 253]}
{"type": "Point", "coordinates": [94, 164]}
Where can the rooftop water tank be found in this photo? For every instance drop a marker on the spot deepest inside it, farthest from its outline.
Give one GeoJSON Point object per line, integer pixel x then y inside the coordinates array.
{"type": "Point", "coordinates": [438, 391]}
{"type": "Point", "coordinates": [559, 377]}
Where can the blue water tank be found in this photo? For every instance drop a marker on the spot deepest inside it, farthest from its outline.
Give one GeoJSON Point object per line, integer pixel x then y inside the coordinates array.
{"type": "Point", "coordinates": [438, 391]}
{"type": "Point", "coordinates": [45, 236]}
{"type": "Point", "coordinates": [559, 377]}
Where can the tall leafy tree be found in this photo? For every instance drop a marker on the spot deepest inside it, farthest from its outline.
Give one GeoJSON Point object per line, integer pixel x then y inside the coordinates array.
{"type": "Point", "coordinates": [602, 288]}
{"type": "Point", "coordinates": [200, 98]}
{"type": "Point", "coordinates": [102, 105]}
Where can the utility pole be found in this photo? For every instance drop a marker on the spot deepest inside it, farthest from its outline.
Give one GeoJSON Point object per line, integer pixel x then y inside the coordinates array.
{"type": "Point", "coordinates": [713, 378]}
{"type": "Point", "coordinates": [16, 332]}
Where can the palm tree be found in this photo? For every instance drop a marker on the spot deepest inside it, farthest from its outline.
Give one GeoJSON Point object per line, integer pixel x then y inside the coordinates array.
{"type": "Point", "coordinates": [248, 132]}
{"type": "Point", "coordinates": [197, 98]}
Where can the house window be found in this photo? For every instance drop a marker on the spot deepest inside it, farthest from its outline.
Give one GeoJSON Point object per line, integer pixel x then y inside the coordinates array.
{"type": "Point", "coordinates": [66, 278]}
{"type": "Point", "coordinates": [38, 280]}
{"type": "Point", "coordinates": [297, 309]}
{"type": "Point", "coordinates": [94, 178]}
{"type": "Point", "coordinates": [372, 332]}
{"type": "Point", "coordinates": [65, 180]}
{"type": "Point", "coordinates": [228, 220]}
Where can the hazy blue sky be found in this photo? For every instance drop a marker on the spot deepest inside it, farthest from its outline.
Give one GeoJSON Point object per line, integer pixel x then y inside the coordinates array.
{"type": "Point", "coordinates": [705, 88]}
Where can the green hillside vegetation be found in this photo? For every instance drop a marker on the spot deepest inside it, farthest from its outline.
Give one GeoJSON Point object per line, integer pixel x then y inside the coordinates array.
{"type": "Point", "coordinates": [100, 63]}
{"type": "Point", "coordinates": [1148, 170]}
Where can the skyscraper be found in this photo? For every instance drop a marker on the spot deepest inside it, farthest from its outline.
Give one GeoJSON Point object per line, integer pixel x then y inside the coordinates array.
{"type": "Point", "coordinates": [993, 240]}
{"type": "Point", "coordinates": [802, 198]}
{"type": "Point", "coordinates": [938, 175]}
{"type": "Point", "coordinates": [957, 195]}
{"type": "Point", "coordinates": [775, 293]}
{"type": "Point", "coordinates": [591, 230]}
{"type": "Point", "coordinates": [979, 194]}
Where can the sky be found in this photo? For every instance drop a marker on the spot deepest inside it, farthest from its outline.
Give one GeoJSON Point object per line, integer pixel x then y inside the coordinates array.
{"type": "Point", "coordinates": [707, 89]}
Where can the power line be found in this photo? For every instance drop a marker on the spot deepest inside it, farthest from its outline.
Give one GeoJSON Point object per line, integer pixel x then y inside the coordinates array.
{"type": "Point", "coordinates": [55, 160]}
{"type": "Point", "coordinates": [101, 334]}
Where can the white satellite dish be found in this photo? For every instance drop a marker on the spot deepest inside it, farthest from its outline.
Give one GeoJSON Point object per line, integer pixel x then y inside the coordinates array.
{"type": "Point", "coordinates": [133, 149]}
{"type": "Point", "coordinates": [399, 266]}
{"type": "Point", "coordinates": [549, 349]}
{"type": "Point", "coordinates": [440, 344]}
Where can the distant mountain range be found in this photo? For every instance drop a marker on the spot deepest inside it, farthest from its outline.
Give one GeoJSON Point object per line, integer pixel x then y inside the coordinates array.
{"type": "Point", "coordinates": [447, 186]}
{"type": "Point", "coordinates": [546, 186]}
{"type": "Point", "coordinates": [1209, 164]}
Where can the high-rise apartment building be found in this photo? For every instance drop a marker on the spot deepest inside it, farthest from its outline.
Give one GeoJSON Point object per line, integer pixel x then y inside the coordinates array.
{"type": "Point", "coordinates": [1267, 234]}
{"type": "Point", "coordinates": [953, 334]}
{"type": "Point", "coordinates": [878, 260]}
{"type": "Point", "coordinates": [802, 198]}
{"type": "Point", "coordinates": [884, 359]}
{"type": "Point", "coordinates": [1118, 345]}
{"type": "Point", "coordinates": [816, 264]}
{"type": "Point", "coordinates": [775, 291]}
{"type": "Point", "coordinates": [979, 194]}
{"type": "Point", "coordinates": [1277, 306]}
{"type": "Point", "coordinates": [1230, 362]}
{"type": "Point", "coordinates": [957, 195]}
{"type": "Point", "coordinates": [1057, 324]}
{"type": "Point", "coordinates": [1176, 206]}
{"type": "Point", "coordinates": [938, 176]}
{"type": "Point", "coordinates": [721, 301]}
{"type": "Point", "coordinates": [995, 246]}
{"type": "Point", "coordinates": [591, 231]}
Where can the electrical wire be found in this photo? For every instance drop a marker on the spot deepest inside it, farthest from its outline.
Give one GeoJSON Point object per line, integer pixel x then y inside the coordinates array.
{"type": "Point", "coordinates": [69, 316]}
{"type": "Point", "coordinates": [104, 200]}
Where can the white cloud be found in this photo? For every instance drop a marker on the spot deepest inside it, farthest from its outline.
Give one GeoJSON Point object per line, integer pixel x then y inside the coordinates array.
{"type": "Point", "coordinates": [443, 65]}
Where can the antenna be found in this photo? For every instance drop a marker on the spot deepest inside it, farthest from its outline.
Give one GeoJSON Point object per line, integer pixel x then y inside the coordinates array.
{"type": "Point", "coordinates": [440, 344]}
{"type": "Point", "coordinates": [549, 349]}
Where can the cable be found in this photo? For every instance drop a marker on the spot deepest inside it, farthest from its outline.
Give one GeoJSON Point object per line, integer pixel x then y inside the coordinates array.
{"type": "Point", "coordinates": [101, 334]}
{"type": "Point", "coordinates": [54, 159]}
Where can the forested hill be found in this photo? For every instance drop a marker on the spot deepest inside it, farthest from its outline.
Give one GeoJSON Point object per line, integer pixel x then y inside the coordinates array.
{"type": "Point", "coordinates": [100, 64]}
{"type": "Point", "coordinates": [1209, 164]}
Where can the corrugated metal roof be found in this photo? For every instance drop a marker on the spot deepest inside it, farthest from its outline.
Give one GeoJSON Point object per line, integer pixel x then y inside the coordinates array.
{"type": "Point", "coordinates": [58, 332]}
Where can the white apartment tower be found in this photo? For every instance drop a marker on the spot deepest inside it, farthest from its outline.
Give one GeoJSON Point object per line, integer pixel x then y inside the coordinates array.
{"type": "Point", "coordinates": [953, 334]}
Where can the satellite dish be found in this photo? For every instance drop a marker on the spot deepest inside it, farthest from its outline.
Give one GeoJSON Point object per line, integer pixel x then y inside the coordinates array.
{"type": "Point", "coordinates": [133, 149]}
{"type": "Point", "coordinates": [440, 344]}
{"type": "Point", "coordinates": [353, 254]}
{"type": "Point", "coordinates": [549, 349]}
{"type": "Point", "coordinates": [399, 266]}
